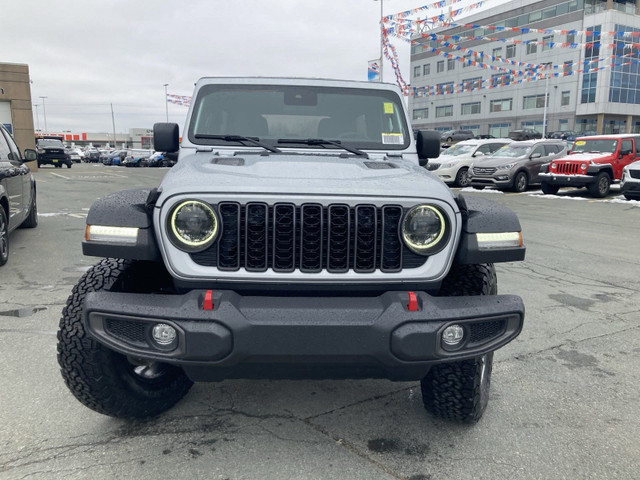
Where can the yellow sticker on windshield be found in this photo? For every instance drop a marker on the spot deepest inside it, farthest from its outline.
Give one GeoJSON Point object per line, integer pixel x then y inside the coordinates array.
{"type": "Point", "coordinates": [388, 108]}
{"type": "Point", "coordinates": [581, 142]}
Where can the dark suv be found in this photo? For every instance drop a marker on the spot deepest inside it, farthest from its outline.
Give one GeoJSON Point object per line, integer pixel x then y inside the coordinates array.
{"type": "Point", "coordinates": [17, 191]}
{"type": "Point", "coordinates": [51, 152]}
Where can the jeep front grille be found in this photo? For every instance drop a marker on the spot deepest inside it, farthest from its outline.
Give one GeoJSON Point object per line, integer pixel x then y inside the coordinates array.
{"type": "Point", "coordinates": [567, 168]}
{"type": "Point", "coordinates": [310, 237]}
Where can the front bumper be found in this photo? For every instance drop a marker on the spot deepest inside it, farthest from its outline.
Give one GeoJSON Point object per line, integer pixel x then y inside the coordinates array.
{"type": "Point", "coordinates": [309, 337]}
{"type": "Point", "coordinates": [499, 180]}
{"type": "Point", "coordinates": [630, 187]}
{"type": "Point", "coordinates": [567, 180]}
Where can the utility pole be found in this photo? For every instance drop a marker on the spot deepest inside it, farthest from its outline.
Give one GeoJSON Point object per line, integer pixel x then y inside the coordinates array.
{"type": "Point", "coordinates": [546, 101]}
{"type": "Point", "coordinates": [37, 116]}
{"type": "Point", "coordinates": [44, 110]}
{"type": "Point", "coordinates": [381, 37]}
{"type": "Point", "coordinates": [166, 102]}
{"type": "Point", "coordinates": [113, 122]}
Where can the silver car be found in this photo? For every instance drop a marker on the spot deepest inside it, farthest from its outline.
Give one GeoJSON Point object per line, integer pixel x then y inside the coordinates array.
{"type": "Point", "coordinates": [515, 166]}
{"type": "Point", "coordinates": [630, 182]}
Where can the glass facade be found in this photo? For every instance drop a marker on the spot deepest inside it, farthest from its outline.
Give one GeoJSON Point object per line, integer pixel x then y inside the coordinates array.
{"type": "Point", "coordinates": [499, 130]}
{"type": "Point", "coordinates": [625, 79]}
{"type": "Point", "coordinates": [591, 54]}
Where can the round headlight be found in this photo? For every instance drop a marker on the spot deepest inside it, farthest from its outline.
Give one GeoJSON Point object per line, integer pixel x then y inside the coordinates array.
{"type": "Point", "coordinates": [193, 226]}
{"type": "Point", "coordinates": [424, 229]}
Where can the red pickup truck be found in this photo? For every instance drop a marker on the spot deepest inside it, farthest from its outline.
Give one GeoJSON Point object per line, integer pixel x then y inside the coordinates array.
{"type": "Point", "coordinates": [593, 162]}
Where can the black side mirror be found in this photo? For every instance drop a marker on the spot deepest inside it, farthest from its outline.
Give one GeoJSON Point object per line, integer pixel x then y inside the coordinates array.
{"type": "Point", "coordinates": [30, 155]}
{"type": "Point", "coordinates": [166, 137]}
{"type": "Point", "coordinates": [427, 145]}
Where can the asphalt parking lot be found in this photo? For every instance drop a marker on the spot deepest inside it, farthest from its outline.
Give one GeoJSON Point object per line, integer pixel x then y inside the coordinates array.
{"type": "Point", "coordinates": [564, 395]}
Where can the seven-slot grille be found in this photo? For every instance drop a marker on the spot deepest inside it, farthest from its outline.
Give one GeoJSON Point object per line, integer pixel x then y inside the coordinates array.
{"type": "Point", "coordinates": [567, 167]}
{"type": "Point", "coordinates": [311, 238]}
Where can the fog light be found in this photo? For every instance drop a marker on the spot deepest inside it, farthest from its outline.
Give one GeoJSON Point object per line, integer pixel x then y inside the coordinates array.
{"type": "Point", "coordinates": [163, 334]}
{"type": "Point", "coordinates": [453, 335]}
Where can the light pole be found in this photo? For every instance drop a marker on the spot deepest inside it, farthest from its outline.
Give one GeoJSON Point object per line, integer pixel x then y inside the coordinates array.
{"type": "Point", "coordinates": [44, 110]}
{"type": "Point", "coordinates": [166, 102]}
{"type": "Point", "coordinates": [37, 116]}
{"type": "Point", "coordinates": [381, 37]}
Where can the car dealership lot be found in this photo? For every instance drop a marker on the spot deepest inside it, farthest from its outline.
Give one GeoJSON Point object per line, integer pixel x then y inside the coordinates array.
{"type": "Point", "coordinates": [564, 399]}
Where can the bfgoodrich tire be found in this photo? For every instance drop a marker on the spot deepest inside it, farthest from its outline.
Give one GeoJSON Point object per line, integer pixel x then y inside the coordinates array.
{"type": "Point", "coordinates": [102, 379]}
{"type": "Point", "coordinates": [459, 391]}
{"type": "Point", "coordinates": [600, 188]}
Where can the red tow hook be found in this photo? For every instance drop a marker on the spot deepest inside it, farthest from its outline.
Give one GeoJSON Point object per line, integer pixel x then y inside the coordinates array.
{"type": "Point", "coordinates": [413, 302]}
{"type": "Point", "coordinates": [208, 300]}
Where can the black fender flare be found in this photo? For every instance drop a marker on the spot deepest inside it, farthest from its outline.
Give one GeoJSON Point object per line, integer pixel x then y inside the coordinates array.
{"type": "Point", "coordinates": [127, 208]}
{"type": "Point", "coordinates": [480, 215]}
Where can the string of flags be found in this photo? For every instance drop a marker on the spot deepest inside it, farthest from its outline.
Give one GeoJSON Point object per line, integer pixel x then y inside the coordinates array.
{"type": "Point", "coordinates": [179, 99]}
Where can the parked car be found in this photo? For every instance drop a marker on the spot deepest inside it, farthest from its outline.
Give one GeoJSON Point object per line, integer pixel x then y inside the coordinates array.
{"type": "Point", "coordinates": [136, 158]}
{"type": "Point", "coordinates": [18, 206]}
{"type": "Point", "coordinates": [73, 154]}
{"type": "Point", "coordinates": [630, 182]}
{"type": "Point", "coordinates": [568, 135]}
{"type": "Point", "coordinates": [524, 134]}
{"type": "Point", "coordinates": [516, 165]}
{"type": "Point", "coordinates": [114, 158]}
{"type": "Point", "coordinates": [484, 136]}
{"type": "Point", "coordinates": [453, 164]}
{"type": "Point", "coordinates": [456, 135]}
{"type": "Point", "coordinates": [92, 156]}
{"type": "Point", "coordinates": [50, 151]}
{"type": "Point", "coordinates": [594, 162]}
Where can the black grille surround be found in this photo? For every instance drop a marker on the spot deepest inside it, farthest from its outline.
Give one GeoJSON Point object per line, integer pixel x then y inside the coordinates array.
{"type": "Point", "coordinates": [309, 238]}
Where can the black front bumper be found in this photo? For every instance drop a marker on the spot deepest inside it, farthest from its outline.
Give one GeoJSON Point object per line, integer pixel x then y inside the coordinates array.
{"type": "Point", "coordinates": [567, 180]}
{"type": "Point", "coordinates": [310, 337]}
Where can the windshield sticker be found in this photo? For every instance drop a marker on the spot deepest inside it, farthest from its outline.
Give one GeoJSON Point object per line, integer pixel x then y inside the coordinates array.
{"type": "Point", "coordinates": [581, 142]}
{"type": "Point", "coordinates": [388, 108]}
{"type": "Point", "coordinates": [392, 138]}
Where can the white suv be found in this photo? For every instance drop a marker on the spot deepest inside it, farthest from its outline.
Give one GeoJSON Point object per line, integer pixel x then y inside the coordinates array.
{"type": "Point", "coordinates": [630, 182]}
{"type": "Point", "coordinates": [453, 164]}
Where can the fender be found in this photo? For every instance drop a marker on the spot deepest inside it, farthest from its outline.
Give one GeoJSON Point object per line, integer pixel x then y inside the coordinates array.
{"type": "Point", "coordinates": [596, 168]}
{"type": "Point", "coordinates": [128, 208]}
{"type": "Point", "coordinates": [484, 216]}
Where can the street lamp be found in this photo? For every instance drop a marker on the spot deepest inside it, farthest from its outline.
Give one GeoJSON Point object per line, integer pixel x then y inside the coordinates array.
{"type": "Point", "coordinates": [37, 116]}
{"type": "Point", "coordinates": [381, 36]}
{"type": "Point", "coordinates": [166, 101]}
{"type": "Point", "coordinates": [44, 110]}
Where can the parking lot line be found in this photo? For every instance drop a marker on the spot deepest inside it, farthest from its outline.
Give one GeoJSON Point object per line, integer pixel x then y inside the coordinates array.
{"type": "Point", "coordinates": [61, 176]}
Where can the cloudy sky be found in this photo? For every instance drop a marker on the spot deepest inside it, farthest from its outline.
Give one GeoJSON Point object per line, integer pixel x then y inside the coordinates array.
{"type": "Point", "coordinates": [86, 55]}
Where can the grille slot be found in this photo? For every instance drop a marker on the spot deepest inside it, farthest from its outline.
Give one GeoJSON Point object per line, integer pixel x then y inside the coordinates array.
{"type": "Point", "coordinates": [484, 170]}
{"type": "Point", "coordinates": [312, 238]}
{"type": "Point", "coordinates": [567, 167]}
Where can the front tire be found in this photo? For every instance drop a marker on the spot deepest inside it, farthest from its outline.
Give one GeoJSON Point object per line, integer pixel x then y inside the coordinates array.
{"type": "Point", "coordinates": [462, 178]}
{"type": "Point", "coordinates": [459, 391]}
{"type": "Point", "coordinates": [102, 379]}
{"type": "Point", "coordinates": [520, 182]}
{"type": "Point", "coordinates": [549, 189]}
{"type": "Point", "coordinates": [4, 237]}
{"type": "Point", "coordinates": [600, 188]}
{"type": "Point", "coordinates": [32, 219]}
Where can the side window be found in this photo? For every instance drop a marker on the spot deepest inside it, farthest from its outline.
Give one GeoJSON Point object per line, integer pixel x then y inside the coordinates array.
{"type": "Point", "coordinates": [539, 149]}
{"type": "Point", "coordinates": [486, 149]}
{"type": "Point", "coordinates": [495, 146]}
{"type": "Point", "coordinates": [4, 147]}
{"type": "Point", "coordinates": [626, 148]}
{"type": "Point", "coordinates": [637, 141]}
{"type": "Point", "coordinates": [13, 148]}
{"type": "Point", "coordinates": [551, 149]}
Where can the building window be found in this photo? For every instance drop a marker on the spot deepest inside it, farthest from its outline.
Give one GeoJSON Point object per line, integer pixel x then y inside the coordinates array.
{"type": "Point", "coordinates": [590, 79]}
{"type": "Point", "coordinates": [565, 98]}
{"type": "Point", "coordinates": [533, 101]}
{"type": "Point", "coordinates": [502, 105]}
{"type": "Point", "coordinates": [420, 113]}
{"type": "Point", "coordinates": [532, 47]}
{"type": "Point", "coordinates": [511, 51]}
{"type": "Point", "coordinates": [571, 38]}
{"type": "Point", "coordinates": [564, 125]}
{"type": "Point", "coordinates": [497, 52]}
{"type": "Point", "coordinates": [567, 66]}
{"type": "Point", "coordinates": [624, 77]}
{"type": "Point", "coordinates": [451, 63]}
{"type": "Point", "coordinates": [416, 71]}
{"type": "Point", "coordinates": [470, 108]}
{"type": "Point", "coordinates": [499, 130]}
{"type": "Point", "coordinates": [467, 60]}
{"type": "Point", "coordinates": [500, 79]}
{"type": "Point", "coordinates": [537, 126]}
{"type": "Point", "coordinates": [471, 83]}
{"type": "Point", "coordinates": [475, 129]}
{"type": "Point", "coordinates": [426, 69]}
{"type": "Point", "coordinates": [440, 66]}
{"type": "Point", "coordinates": [444, 111]}
{"type": "Point", "coordinates": [548, 43]}
{"type": "Point", "coordinates": [442, 88]}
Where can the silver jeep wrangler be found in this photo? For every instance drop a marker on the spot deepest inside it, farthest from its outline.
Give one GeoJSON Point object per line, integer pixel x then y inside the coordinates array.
{"type": "Point", "coordinates": [298, 236]}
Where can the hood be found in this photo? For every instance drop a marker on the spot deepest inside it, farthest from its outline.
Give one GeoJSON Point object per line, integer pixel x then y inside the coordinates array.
{"type": "Point", "coordinates": [308, 174]}
{"type": "Point", "coordinates": [496, 161]}
{"type": "Point", "coordinates": [587, 157]}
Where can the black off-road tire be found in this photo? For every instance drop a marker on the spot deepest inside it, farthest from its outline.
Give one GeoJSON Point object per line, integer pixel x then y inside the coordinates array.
{"type": "Point", "coordinates": [4, 237]}
{"type": "Point", "coordinates": [462, 180]}
{"type": "Point", "coordinates": [459, 391]}
{"type": "Point", "coordinates": [600, 188]}
{"type": "Point", "coordinates": [32, 219]}
{"type": "Point", "coordinates": [549, 189]}
{"type": "Point", "coordinates": [102, 379]}
{"type": "Point", "coordinates": [631, 197]}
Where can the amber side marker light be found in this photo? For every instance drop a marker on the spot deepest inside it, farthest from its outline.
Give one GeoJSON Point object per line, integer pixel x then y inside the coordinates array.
{"type": "Point", "coordinates": [106, 234]}
{"type": "Point", "coordinates": [494, 241]}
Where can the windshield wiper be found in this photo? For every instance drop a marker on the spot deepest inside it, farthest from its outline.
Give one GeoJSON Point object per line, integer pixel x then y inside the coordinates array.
{"type": "Point", "coordinates": [239, 138]}
{"type": "Point", "coordinates": [322, 141]}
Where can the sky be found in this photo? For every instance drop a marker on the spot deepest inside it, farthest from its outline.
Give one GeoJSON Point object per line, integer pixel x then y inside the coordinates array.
{"type": "Point", "coordinates": [87, 56]}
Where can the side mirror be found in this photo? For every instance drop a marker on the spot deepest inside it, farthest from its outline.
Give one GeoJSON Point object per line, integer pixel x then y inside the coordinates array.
{"type": "Point", "coordinates": [535, 155]}
{"type": "Point", "coordinates": [30, 155]}
{"type": "Point", "coordinates": [478, 154]}
{"type": "Point", "coordinates": [427, 145]}
{"type": "Point", "coordinates": [166, 137]}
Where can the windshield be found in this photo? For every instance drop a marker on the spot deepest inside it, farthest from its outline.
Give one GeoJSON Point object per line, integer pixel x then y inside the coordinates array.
{"type": "Point", "coordinates": [595, 145]}
{"type": "Point", "coordinates": [359, 118]}
{"type": "Point", "coordinates": [50, 142]}
{"type": "Point", "coordinates": [458, 150]}
{"type": "Point", "coordinates": [512, 151]}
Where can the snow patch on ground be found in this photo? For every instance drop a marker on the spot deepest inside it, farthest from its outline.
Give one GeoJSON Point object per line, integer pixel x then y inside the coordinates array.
{"type": "Point", "coordinates": [486, 190]}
